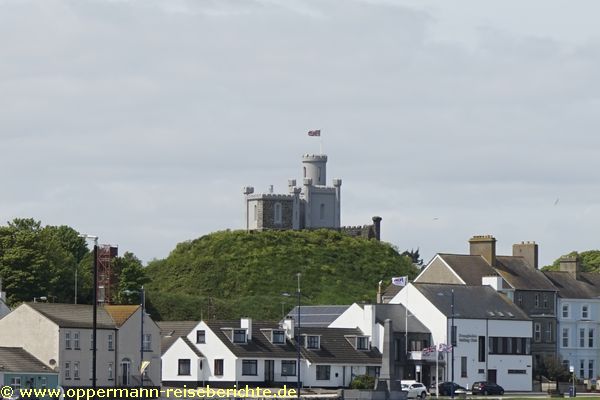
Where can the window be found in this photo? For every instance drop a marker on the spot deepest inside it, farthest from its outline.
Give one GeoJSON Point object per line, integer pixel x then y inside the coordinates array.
{"type": "Point", "coordinates": [304, 170]}
{"type": "Point", "coordinates": [373, 371]}
{"type": "Point", "coordinates": [463, 367]}
{"type": "Point", "coordinates": [581, 368]}
{"type": "Point", "coordinates": [362, 343]}
{"type": "Point", "coordinates": [249, 367]}
{"type": "Point", "coordinates": [319, 170]}
{"type": "Point", "coordinates": [591, 339]}
{"type": "Point", "coordinates": [239, 336]}
{"type": "Point", "coordinates": [76, 370]}
{"type": "Point", "coordinates": [537, 332]}
{"type": "Point", "coordinates": [288, 368]}
{"type": "Point", "coordinates": [110, 371]}
{"type": "Point", "coordinates": [68, 340]}
{"type": "Point", "coordinates": [520, 299]}
{"type": "Point", "coordinates": [549, 332]}
{"type": "Point", "coordinates": [255, 213]}
{"type": "Point", "coordinates": [565, 311]}
{"type": "Point", "coordinates": [565, 337]}
{"type": "Point", "coordinates": [277, 216]}
{"type": "Point", "coordinates": [454, 336]}
{"type": "Point", "coordinates": [591, 369]}
{"type": "Point", "coordinates": [147, 343]}
{"type": "Point", "coordinates": [537, 300]}
{"type": "Point", "coordinates": [15, 382]}
{"type": "Point", "coordinates": [545, 299]}
{"type": "Point", "coordinates": [585, 311]}
{"type": "Point", "coordinates": [278, 337]}
{"type": "Point", "coordinates": [581, 337]}
{"type": "Point", "coordinates": [218, 367]}
{"type": "Point", "coordinates": [312, 342]}
{"type": "Point", "coordinates": [184, 366]}
{"type": "Point", "coordinates": [481, 343]}
{"type": "Point", "coordinates": [322, 211]}
{"type": "Point", "coordinates": [200, 336]}
{"type": "Point", "coordinates": [517, 371]}
{"type": "Point", "coordinates": [67, 370]}
{"type": "Point", "coordinates": [76, 340]}
{"type": "Point", "coordinates": [566, 364]}
{"type": "Point", "coordinates": [506, 345]}
{"type": "Point", "coordinates": [44, 382]}
{"type": "Point", "coordinates": [111, 344]}
{"type": "Point", "coordinates": [323, 372]}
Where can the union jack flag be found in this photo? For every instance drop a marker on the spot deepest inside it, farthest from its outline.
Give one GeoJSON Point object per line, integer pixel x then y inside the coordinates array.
{"type": "Point", "coordinates": [428, 350]}
{"type": "Point", "coordinates": [445, 348]}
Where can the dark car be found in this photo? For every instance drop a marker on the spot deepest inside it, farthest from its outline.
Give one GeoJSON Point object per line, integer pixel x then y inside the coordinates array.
{"type": "Point", "coordinates": [486, 388]}
{"type": "Point", "coordinates": [446, 388]}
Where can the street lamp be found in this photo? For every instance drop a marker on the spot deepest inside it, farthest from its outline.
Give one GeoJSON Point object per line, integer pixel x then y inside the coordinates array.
{"type": "Point", "coordinates": [95, 306]}
{"type": "Point", "coordinates": [142, 294]}
{"type": "Point", "coordinates": [453, 341]}
{"type": "Point", "coordinates": [299, 294]}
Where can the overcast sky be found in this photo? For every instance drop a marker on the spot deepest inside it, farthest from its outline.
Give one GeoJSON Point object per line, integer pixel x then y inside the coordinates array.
{"type": "Point", "coordinates": [140, 121]}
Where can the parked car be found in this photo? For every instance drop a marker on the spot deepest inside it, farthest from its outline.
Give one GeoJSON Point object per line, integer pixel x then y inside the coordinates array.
{"type": "Point", "coordinates": [486, 388]}
{"type": "Point", "coordinates": [446, 388]}
{"type": "Point", "coordinates": [414, 389]}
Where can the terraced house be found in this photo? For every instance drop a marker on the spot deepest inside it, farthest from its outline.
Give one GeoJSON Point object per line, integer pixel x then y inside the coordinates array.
{"type": "Point", "coordinates": [516, 276]}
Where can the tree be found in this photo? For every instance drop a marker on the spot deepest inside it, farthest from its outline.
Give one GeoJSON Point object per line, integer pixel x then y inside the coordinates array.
{"type": "Point", "coordinates": [131, 277]}
{"type": "Point", "coordinates": [553, 368]}
{"type": "Point", "coordinates": [414, 256]}
{"type": "Point", "coordinates": [590, 261]}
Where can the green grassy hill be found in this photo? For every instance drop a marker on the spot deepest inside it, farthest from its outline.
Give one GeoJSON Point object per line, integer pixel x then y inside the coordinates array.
{"type": "Point", "coordinates": [234, 273]}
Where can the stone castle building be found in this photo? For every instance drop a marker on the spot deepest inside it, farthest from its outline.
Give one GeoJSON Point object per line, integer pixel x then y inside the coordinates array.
{"type": "Point", "coordinates": [313, 205]}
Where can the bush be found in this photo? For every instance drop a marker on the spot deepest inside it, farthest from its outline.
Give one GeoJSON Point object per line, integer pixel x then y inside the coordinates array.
{"type": "Point", "coordinates": [363, 382]}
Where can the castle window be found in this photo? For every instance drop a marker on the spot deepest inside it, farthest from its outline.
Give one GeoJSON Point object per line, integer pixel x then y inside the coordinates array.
{"type": "Point", "coordinates": [255, 213]}
{"type": "Point", "coordinates": [322, 211]}
{"type": "Point", "coordinates": [305, 172]}
{"type": "Point", "coordinates": [319, 174]}
{"type": "Point", "coordinates": [278, 213]}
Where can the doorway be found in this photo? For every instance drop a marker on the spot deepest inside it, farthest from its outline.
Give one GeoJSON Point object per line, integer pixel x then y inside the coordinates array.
{"type": "Point", "coordinates": [269, 371]}
{"type": "Point", "coordinates": [491, 377]}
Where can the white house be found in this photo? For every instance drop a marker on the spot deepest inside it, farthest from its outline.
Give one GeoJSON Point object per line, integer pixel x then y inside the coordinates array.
{"type": "Point", "coordinates": [182, 362]}
{"type": "Point", "coordinates": [491, 335]}
{"type": "Point", "coordinates": [60, 336]}
{"type": "Point", "coordinates": [265, 353]}
{"type": "Point", "coordinates": [578, 317]}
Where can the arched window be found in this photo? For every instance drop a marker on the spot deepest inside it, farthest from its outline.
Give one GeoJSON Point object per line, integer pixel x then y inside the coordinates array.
{"type": "Point", "coordinates": [322, 211]}
{"type": "Point", "coordinates": [277, 213]}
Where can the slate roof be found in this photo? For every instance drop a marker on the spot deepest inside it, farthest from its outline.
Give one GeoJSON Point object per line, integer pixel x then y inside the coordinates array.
{"type": "Point", "coordinates": [336, 349]}
{"type": "Point", "coordinates": [170, 331]}
{"type": "Point", "coordinates": [74, 315]}
{"type": "Point", "coordinates": [391, 291]}
{"type": "Point", "coordinates": [471, 302]}
{"type": "Point", "coordinates": [16, 359]}
{"type": "Point", "coordinates": [520, 275]}
{"type": "Point", "coordinates": [259, 346]}
{"type": "Point", "coordinates": [586, 287]}
{"type": "Point", "coordinates": [317, 316]}
{"type": "Point", "coordinates": [513, 269]}
{"type": "Point", "coordinates": [397, 313]}
{"type": "Point", "coordinates": [470, 268]}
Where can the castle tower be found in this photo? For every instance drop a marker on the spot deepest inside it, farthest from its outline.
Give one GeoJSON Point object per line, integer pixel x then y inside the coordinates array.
{"type": "Point", "coordinates": [314, 167]}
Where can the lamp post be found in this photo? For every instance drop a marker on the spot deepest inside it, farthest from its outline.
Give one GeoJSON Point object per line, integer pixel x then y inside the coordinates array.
{"type": "Point", "coordinates": [95, 306]}
{"type": "Point", "coordinates": [299, 294]}
{"type": "Point", "coordinates": [453, 343]}
{"type": "Point", "coordinates": [142, 294]}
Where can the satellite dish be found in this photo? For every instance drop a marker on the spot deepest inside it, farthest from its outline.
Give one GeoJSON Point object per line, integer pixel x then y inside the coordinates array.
{"type": "Point", "coordinates": [52, 362]}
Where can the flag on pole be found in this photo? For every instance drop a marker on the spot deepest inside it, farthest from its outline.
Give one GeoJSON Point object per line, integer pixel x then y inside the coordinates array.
{"type": "Point", "coordinates": [314, 133]}
{"type": "Point", "coordinates": [400, 281]}
{"type": "Point", "coordinates": [445, 348]}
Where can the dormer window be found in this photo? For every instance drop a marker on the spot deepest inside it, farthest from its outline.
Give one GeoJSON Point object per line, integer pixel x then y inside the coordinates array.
{"type": "Point", "coordinates": [278, 337]}
{"type": "Point", "coordinates": [239, 336]}
{"type": "Point", "coordinates": [313, 342]}
{"type": "Point", "coordinates": [362, 343]}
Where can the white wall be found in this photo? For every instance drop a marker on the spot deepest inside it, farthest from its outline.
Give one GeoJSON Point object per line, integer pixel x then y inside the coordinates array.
{"type": "Point", "coordinates": [26, 328]}
{"type": "Point", "coordinates": [214, 349]}
{"type": "Point", "coordinates": [326, 197]}
{"type": "Point", "coordinates": [170, 363]}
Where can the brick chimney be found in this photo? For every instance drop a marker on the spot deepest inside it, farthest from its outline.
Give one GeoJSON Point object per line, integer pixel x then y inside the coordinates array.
{"type": "Point", "coordinates": [485, 246]}
{"type": "Point", "coordinates": [527, 250]}
{"type": "Point", "coordinates": [571, 265]}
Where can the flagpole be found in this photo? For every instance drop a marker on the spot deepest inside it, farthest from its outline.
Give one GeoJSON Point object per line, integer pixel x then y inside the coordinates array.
{"type": "Point", "coordinates": [437, 373]}
{"type": "Point", "coordinates": [406, 322]}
